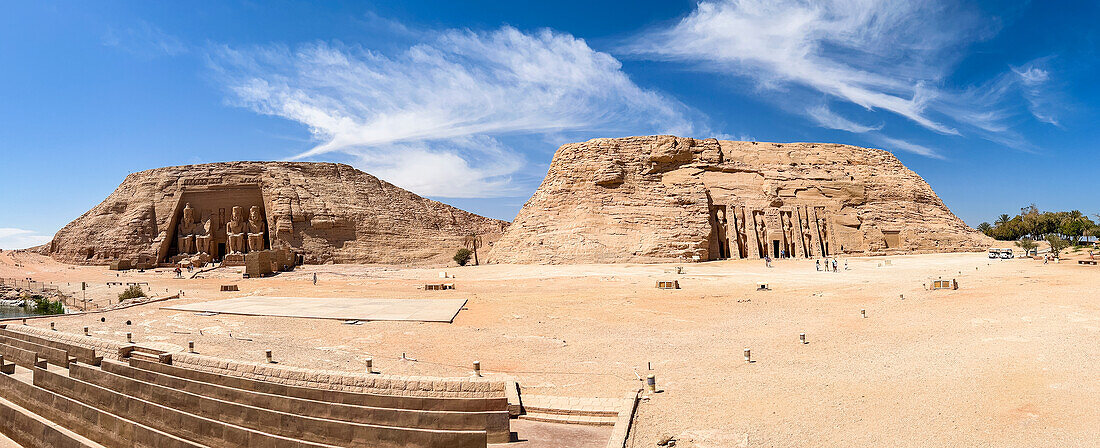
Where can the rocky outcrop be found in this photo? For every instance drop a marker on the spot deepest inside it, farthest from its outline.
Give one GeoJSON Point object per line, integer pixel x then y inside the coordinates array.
{"type": "Point", "coordinates": [661, 198]}
{"type": "Point", "coordinates": [323, 211]}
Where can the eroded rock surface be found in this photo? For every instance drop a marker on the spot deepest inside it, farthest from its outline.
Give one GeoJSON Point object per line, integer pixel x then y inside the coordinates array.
{"type": "Point", "coordinates": [324, 211]}
{"type": "Point", "coordinates": [658, 198]}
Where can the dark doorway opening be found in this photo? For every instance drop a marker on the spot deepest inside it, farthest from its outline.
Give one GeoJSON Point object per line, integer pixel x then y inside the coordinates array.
{"type": "Point", "coordinates": [775, 248]}
{"type": "Point", "coordinates": [221, 251]}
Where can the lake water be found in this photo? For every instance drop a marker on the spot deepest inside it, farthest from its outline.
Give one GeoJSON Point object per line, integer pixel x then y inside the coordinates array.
{"type": "Point", "coordinates": [7, 312]}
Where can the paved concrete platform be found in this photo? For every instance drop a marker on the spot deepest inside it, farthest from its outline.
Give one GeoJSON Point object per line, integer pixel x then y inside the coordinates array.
{"type": "Point", "coordinates": [343, 308]}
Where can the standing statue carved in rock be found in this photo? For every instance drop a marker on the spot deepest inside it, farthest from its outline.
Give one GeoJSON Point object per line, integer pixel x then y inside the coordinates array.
{"type": "Point", "coordinates": [761, 233]}
{"type": "Point", "coordinates": [788, 234]}
{"type": "Point", "coordinates": [185, 231]}
{"type": "Point", "coordinates": [256, 227]}
{"type": "Point", "coordinates": [235, 230]}
{"type": "Point", "coordinates": [722, 234]}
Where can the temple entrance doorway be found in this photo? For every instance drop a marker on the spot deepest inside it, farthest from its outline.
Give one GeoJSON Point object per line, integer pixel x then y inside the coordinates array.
{"type": "Point", "coordinates": [775, 248]}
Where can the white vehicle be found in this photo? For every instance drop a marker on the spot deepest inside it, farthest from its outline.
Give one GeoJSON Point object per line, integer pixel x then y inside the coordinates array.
{"type": "Point", "coordinates": [1006, 254]}
{"type": "Point", "coordinates": [994, 253]}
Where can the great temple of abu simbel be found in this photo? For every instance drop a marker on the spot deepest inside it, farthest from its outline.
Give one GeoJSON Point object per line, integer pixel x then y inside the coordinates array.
{"type": "Point", "coordinates": [322, 212]}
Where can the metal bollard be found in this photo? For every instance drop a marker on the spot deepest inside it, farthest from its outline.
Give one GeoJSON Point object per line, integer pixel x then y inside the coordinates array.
{"type": "Point", "coordinates": [130, 338]}
{"type": "Point", "coordinates": [370, 365]}
{"type": "Point", "coordinates": [802, 338]}
{"type": "Point", "coordinates": [863, 313]}
{"type": "Point", "coordinates": [651, 383]}
{"type": "Point", "coordinates": [53, 327]}
{"type": "Point", "coordinates": [24, 321]}
{"type": "Point", "coordinates": [477, 368]}
{"type": "Point", "coordinates": [268, 354]}
{"type": "Point", "coordinates": [190, 346]}
{"type": "Point", "coordinates": [86, 333]}
{"type": "Point", "coordinates": [748, 355]}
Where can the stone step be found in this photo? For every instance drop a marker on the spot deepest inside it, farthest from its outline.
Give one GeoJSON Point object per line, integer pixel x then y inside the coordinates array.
{"type": "Point", "coordinates": [593, 407]}
{"type": "Point", "coordinates": [29, 429]}
{"type": "Point", "coordinates": [572, 419]}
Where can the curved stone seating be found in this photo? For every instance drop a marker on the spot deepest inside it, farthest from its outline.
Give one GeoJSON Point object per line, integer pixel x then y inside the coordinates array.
{"type": "Point", "coordinates": [197, 431]}
{"type": "Point", "coordinates": [52, 355]}
{"type": "Point", "coordinates": [102, 347]}
{"type": "Point", "coordinates": [431, 403]}
{"type": "Point", "coordinates": [22, 358]}
{"type": "Point", "coordinates": [31, 431]}
{"type": "Point", "coordinates": [305, 428]}
{"type": "Point", "coordinates": [494, 423]}
{"type": "Point", "coordinates": [95, 424]}
{"type": "Point", "coordinates": [82, 354]}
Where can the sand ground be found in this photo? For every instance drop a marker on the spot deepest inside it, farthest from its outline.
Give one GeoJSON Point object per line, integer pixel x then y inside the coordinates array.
{"type": "Point", "coordinates": [1009, 359]}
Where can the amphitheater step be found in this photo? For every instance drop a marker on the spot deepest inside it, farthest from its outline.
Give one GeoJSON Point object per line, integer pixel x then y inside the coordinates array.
{"type": "Point", "coordinates": [573, 410]}
{"type": "Point", "coordinates": [592, 420]}
{"type": "Point", "coordinates": [31, 430]}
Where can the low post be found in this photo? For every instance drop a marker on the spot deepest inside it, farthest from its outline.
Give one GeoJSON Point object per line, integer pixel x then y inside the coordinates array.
{"type": "Point", "coordinates": [53, 327]}
{"type": "Point", "coordinates": [190, 346]}
{"type": "Point", "coordinates": [802, 337]}
{"type": "Point", "coordinates": [130, 338]}
{"type": "Point", "coordinates": [863, 313]}
{"type": "Point", "coordinates": [651, 383]}
{"type": "Point", "coordinates": [267, 353]}
{"type": "Point", "coordinates": [24, 321]}
{"type": "Point", "coordinates": [86, 333]}
{"type": "Point", "coordinates": [748, 355]}
{"type": "Point", "coordinates": [370, 365]}
{"type": "Point", "coordinates": [477, 368]}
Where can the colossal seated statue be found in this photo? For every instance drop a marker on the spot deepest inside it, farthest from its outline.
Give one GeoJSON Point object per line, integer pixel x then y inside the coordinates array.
{"type": "Point", "coordinates": [185, 231]}
{"type": "Point", "coordinates": [255, 229]}
{"type": "Point", "coordinates": [235, 230]}
{"type": "Point", "coordinates": [202, 240]}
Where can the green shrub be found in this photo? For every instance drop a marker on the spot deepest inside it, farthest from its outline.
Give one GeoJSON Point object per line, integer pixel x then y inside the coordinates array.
{"type": "Point", "coordinates": [463, 256]}
{"type": "Point", "coordinates": [133, 292]}
{"type": "Point", "coordinates": [43, 305]}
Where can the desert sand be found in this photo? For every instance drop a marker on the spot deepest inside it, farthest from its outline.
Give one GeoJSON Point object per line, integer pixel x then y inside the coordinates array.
{"type": "Point", "coordinates": [1008, 359]}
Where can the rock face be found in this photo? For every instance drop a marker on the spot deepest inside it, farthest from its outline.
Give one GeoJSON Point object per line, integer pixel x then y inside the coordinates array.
{"type": "Point", "coordinates": [323, 211]}
{"type": "Point", "coordinates": [661, 198]}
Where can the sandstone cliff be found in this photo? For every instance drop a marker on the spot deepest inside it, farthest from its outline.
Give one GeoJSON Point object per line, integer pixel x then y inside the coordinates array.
{"type": "Point", "coordinates": [325, 211]}
{"type": "Point", "coordinates": [660, 198]}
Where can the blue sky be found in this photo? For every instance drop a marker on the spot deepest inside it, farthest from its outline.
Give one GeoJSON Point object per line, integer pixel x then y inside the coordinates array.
{"type": "Point", "coordinates": [995, 104]}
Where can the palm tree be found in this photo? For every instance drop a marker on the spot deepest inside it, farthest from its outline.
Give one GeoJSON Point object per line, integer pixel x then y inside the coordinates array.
{"type": "Point", "coordinates": [1002, 220]}
{"type": "Point", "coordinates": [473, 242]}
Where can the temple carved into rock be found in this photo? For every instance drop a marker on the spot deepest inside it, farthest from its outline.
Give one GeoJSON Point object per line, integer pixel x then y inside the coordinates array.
{"type": "Point", "coordinates": [662, 198]}
{"type": "Point", "coordinates": [322, 212]}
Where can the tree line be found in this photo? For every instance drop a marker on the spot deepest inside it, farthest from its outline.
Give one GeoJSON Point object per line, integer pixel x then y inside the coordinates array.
{"type": "Point", "coordinates": [1032, 224]}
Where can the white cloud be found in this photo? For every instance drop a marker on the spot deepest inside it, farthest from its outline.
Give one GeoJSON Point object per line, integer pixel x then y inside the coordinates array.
{"type": "Point", "coordinates": [894, 143]}
{"type": "Point", "coordinates": [1041, 102]}
{"type": "Point", "coordinates": [430, 118]}
{"type": "Point", "coordinates": [143, 39]}
{"type": "Point", "coordinates": [12, 238]}
{"type": "Point", "coordinates": [827, 118]}
{"type": "Point", "coordinates": [879, 54]}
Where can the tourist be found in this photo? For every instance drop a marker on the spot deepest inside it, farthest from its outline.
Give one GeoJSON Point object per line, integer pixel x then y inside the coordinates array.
{"type": "Point", "coordinates": [817, 265]}
{"type": "Point", "coordinates": [834, 265]}
{"type": "Point", "coordinates": [767, 261]}
{"type": "Point", "coordinates": [845, 265]}
{"type": "Point", "coordinates": [314, 279]}
{"type": "Point", "coordinates": [179, 272]}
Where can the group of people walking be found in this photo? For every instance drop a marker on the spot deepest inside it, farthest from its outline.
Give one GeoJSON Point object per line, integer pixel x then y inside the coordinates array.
{"type": "Point", "coordinates": [817, 265]}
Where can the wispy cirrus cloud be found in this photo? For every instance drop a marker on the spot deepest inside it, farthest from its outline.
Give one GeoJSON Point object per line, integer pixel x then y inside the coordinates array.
{"type": "Point", "coordinates": [143, 39]}
{"type": "Point", "coordinates": [13, 238]}
{"type": "Point", "coordinates": [878, 54]}
{"type": "Point", "coordinates": [431, 117]}
{"type": "Point", "coordinates": [825, 117]}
